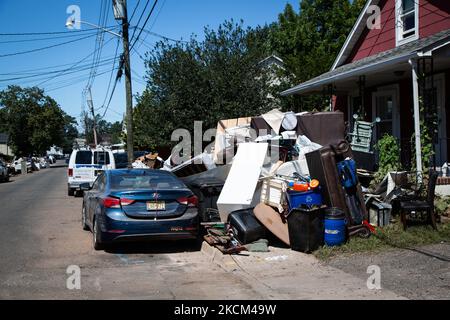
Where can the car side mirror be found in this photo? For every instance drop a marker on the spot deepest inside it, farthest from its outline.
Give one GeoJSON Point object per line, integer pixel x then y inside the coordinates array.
{"type": "Point", "coordinates": [85, 187]}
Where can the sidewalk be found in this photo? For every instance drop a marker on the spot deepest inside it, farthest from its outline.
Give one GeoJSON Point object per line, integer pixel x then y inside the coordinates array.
{"type": "Point", "coordinates": [286, 274]}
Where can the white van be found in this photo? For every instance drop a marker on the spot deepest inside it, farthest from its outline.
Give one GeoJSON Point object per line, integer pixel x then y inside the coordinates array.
{"type": "Point", "coordinates": [85, 165]}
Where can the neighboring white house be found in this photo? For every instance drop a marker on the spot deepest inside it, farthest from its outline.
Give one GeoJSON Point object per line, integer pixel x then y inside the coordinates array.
{"type": "Point", "coordinates": [4, 145]}
{"type": "Point", "coordinates": [273, 65]}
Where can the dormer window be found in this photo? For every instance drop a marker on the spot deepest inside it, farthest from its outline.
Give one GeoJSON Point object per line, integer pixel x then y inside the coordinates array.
{"type": "Point", "coordinates": [407, 21]}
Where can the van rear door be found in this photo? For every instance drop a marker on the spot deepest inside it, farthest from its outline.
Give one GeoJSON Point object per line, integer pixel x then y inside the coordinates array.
{"type": "Point", "coordinates": [83, 169]}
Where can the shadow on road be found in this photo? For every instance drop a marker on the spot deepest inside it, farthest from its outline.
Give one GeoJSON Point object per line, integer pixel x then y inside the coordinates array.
{"type": "Point", "coordinates": [155, 247]}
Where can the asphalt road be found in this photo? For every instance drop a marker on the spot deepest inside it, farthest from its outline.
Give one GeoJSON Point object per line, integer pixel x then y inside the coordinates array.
{"type": "Point", "coordinates": [41, 237]}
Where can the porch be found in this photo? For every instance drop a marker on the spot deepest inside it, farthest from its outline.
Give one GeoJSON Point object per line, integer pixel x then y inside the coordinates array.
{"type": "Point", "coordinates": [391, 86]}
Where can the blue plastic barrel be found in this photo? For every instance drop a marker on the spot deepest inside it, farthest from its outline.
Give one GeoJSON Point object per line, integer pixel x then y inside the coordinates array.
{"type": "Point", "coordinates": [335, 227]}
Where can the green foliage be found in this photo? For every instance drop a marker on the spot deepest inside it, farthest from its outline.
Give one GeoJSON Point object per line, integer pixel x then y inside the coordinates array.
{"type": "Point", "coordinates": [390, 237]}
{"type": "Point", "coordinates": [310, 40]}
{"type": "Point", "coordinates": [426, 141]}
{"type": "Point", "coordinates": [70, 134]}
{"type": "Point", "coordinates": [389, 154]}
{"type": "Point", "coordinates": [217, 78]}
{"type": "Point", "coordinates": [34, 121]}
{"type": "Point", "coordinates": [106, 131]}
{"type": "Point", "coordinates": [442, 205]}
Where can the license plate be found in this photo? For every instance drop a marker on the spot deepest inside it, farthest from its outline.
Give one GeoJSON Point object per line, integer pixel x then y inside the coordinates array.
{"type": "Point", "coordinates": [156, 206]}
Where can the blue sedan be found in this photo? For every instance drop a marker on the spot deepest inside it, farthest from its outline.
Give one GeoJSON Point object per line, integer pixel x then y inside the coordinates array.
{"type": "Point", "coordinates": [136, 205]}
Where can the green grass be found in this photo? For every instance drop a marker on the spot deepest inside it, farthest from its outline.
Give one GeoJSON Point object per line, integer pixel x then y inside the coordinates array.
{"type": "Point", "coordinates": [388, 238]}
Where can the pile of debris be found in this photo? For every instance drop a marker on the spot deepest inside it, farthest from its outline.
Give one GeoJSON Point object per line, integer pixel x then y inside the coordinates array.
{"type": "Point", "coordinates": [149, 161]}
{"type": "Point", "coordinates": [284, 174]}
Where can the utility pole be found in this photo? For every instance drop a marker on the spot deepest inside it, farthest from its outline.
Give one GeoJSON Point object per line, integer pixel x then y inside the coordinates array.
{"type": "Point", "coordinates": [120, 7]}
{"type": "Point", "coordinates": [91, 107]}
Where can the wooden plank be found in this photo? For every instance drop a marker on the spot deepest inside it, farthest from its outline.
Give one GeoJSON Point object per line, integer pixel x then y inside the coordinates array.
{"type": "Point", "coordinates": [272, 221]}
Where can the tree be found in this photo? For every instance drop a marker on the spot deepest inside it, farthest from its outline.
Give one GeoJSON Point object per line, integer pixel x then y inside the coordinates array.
{"type": "Point", "coordinates": [34, 121]}
{"type": "Point", "coordinates": [106, 131]}
{"type": "Point", "coordinates": [70, 134]}
{"type": "Point", "coordinates": [217, 78]}
{"type": "Point", "coordinates": [310, 40]}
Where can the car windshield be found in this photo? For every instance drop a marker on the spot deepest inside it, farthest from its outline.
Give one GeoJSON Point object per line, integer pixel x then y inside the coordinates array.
{"type": "Point", "coordinates": [146, 181]}
{"type": "Point", "coordinates": [84, 157]}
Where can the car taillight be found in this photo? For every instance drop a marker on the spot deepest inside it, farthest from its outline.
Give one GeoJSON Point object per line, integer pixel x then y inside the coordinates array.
{"type": "Point", "coordinates": [111, 203]}
{"type": "Point", "coordinates": [71, 173]}
{"type": "Point", "coordinates": [191, 201]}
{"type": "Point", "coordinates": [126, 202]}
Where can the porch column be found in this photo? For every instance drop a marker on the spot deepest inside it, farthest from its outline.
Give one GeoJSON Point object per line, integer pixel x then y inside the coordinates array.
{"type": "Point", "coordinates": [416, 95]}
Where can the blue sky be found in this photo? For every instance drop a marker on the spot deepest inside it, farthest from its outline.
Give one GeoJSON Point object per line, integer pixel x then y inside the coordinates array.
{"type": "Point", "coordinates": [177, 19]}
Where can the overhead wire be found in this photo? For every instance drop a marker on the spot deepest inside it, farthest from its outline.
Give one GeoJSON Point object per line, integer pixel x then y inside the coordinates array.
{"type": "Point", "coordinates": [145, 23]}
{"type": "Point", "coordinates": [43, 48]}
{"type": "Point", "coordinates": [133, 40]}
{"type": "Point", "coordinates": [140, 18]}
{"type": "Point", "coordinates": [73, 35]}
{"type": "Point", "coordinates": [39, 75]}
{"type": "Point", "coordinates": [98, 42]}
{"type": "Point", "coordinates": [134, 11]}
{"type": "Point", "coordinates": [74, 65]}
{"type": "Point", "coordinates": [52, 32]}
{"type": "Point", "coordinates": [112, 73]}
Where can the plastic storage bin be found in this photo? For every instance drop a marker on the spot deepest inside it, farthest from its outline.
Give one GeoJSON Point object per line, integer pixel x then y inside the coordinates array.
{"type": "Point", "coordinates": [305, 199]}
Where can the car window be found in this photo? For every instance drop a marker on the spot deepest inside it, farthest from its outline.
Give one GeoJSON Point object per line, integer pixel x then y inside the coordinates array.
{"type": "Point", "coordinates": [152, 181]}
{"type": "Point", "coordinates": [121, 160]}
{"type": "Point", "coordinates": [102, 158]}
{"type": "Point", "coordinates": [83, 157]}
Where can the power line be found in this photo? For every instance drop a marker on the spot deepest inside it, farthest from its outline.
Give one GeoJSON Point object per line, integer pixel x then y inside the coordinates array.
{"type": "Point", "coordinates": [32, 71]}
{"type": "Point", "coordinates": [44, 48]}
{"type": "Point", "coordinates": [134, 11]}
{"type": "Point", "coordinates": [112, 73]}
{"type": "Point", "coordinates": [74, 65]}
{"type": "Point", "coordinates": [102, 20]}
{"type": "Point", "coordinates": [72, 35]}
{"type": "Point", "coordinates": [153, 24]}
{"type": "Point", "coordinates": [37, 75]}
{"type": "Point", "coordinates": [140, 18]}
{"type": "Point", "coordinates": [75, 81]}
{"type": "Point", "coordinates": [51, 32]}
{"type": "Point", "coordinates": [145, 23]}
{"type": "Point", "coordinates": [161, 36]}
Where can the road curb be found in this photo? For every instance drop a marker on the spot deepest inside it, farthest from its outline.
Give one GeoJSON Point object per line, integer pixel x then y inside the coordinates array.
{"type": "Point", "coordinates": [214, 255]}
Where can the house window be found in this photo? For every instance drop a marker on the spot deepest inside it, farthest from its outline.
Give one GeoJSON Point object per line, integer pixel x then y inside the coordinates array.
{"type": "Point", "coordinates": [407, 18]}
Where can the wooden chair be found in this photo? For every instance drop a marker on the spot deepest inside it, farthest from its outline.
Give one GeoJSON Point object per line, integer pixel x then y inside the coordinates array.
{"type": "Point", "coordinates": [416, 205]}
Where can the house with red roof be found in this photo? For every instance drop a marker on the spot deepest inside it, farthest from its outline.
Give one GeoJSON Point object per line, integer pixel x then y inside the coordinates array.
{"type": "Point", "coordinates": [394, 65]}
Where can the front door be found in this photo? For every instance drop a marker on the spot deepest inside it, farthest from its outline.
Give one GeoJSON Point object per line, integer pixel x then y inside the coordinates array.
{"type": "Point", "coordinates": [385, 107]}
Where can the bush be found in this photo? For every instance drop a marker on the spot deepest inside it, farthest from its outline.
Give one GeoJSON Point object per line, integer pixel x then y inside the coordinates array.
{"type": "Point", "coordinates": [389, 157]}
